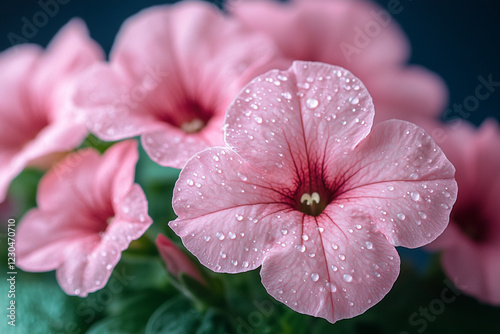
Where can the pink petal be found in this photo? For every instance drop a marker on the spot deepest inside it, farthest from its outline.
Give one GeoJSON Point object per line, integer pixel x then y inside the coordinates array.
{"type": "Point", "coordinates": [89, 212]}
{"type": "Point", "coordinates": [227, 233]}
{"type": "Point", "coordinates": [69, 53]}
{"type": "Point", "coordinates": [334, 32]}
{"type": "Point", "coordinates": [297, 105]}
{"type": "Point", "coordinates": [409, 193]}
{"type": "Point", "coordinates": [412, 94]}
{"type": "Point", "coordinates": [171, 66]}
{"type": "Point", "coordinates": [177, 262]}
{"type": "Point", "coordinates": [115, 114]}
{"type": "Point", "coordinates": [331, 269]}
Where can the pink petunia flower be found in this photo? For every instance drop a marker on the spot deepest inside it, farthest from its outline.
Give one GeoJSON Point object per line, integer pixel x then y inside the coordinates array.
{"type": "Point", "coordinates": [471, 242]}
{"type": "Point", "coordinates": [89, 210]}
{"type": "Point", "coordinates": [308, 192]}
{"type": "Point", "coordinates": [357, 35]}
{"type": "Point", "coordinates": [177, 262]}
{"type": "Point", "coordinates": [36, 122]}
{"type": "Point", "coordinates": [173, 72]}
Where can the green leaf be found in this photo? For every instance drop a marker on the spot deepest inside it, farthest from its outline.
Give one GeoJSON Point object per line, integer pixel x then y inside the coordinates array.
{"type": "Point", "coordinates": [132, 314]}
{"type": "Point", "coordinates": [179, 316]}
{"type": "Point", "coordinates": [40, 306]}
{"type": "Point", "coordinates": [176, 316]}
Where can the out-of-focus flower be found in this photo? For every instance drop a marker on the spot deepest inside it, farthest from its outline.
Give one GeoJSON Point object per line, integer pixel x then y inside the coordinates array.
{"type": "Point", "coordinates": [173, 72]}
{"type": "Point", "coordinates": [308, 192]}
{"type": "Point", "coordinates": [89, 210]}
{"type": "Point", "coordinates": [36, 122]}
{"type": "Point", "coordinates": [177, 262]}
{"type": "Point", "coordinates": [471, 243]}
{"type": "Point", "coordinates": [357, 35]}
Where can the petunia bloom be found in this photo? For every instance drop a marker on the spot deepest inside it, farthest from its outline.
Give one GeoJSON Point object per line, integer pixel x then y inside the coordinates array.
{"type": "Point", "coordinates": [89, 210]}
{"type": "Point", "coordinates": [173, 72]}
{"type": "Point", "coordinates": [36, 121]}
{"type": "Point", "coordinates": [471, 242]}
{"type": "Point", "coordinates": [357, 35]}
{"type": "Point", "coordinates": [306, 191]}
{"type": "Point", "coordinates": [177, 262]}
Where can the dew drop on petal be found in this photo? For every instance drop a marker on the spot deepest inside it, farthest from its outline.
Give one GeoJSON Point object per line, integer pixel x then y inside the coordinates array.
{"type": "Point", "coordinates": [369, 245]}
{"type": "Point", "coordinates": [242, 177]}
{"type": "Point", "coordinates": [342, 257]}
{"type": "Point", "coordinates": [354, 100]}
{"type": "Point", "coordinates": [231, 235]}
{"type": "Point", "coordinates": [423, 215]}
{"type": "Point", "coordinates": [415, 196]}
{"type": "Point", "coordinates": [245, 264]}
{"type": "Point", "coordinates": [258, 120]}
{"type": "Point", "coordinates": [314, 277]}
{"type": "Point", "coordinates": [401, 216]}
{"type": "Point", "coordinates": [189, 182]}
{"type": "Point", "coordinates": [301, 248]}
{"type": "Point", "coordinates": [347, 278]}
{"type": "Point", "coordinates": [312, 103]}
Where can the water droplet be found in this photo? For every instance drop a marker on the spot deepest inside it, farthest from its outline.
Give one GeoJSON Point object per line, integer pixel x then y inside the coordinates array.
{"type": "Point", "coordinates": [109, 266]}
{"type": "Point", "coordinates": [369, 245]}
{"type": "Point", "coordinates": [358, 227]}
{"type": "Point", "coordinates": [334, 268]}
{"type": "Point", "coordinates": [391, 188]}
{"type": "Point", "coordinates": [207, 238]}
{"type": "Point", "coordinates": [245, 264]}
{"type": "Point", "coordinates": [314, 277]}
{"type": "Point", "coordinates": [286, 95]}
{"type": "Point", "coordinates": [301, 248]}
{"type": "Point", "coordinates": [446, 194]}
{"type": "Point", "coordinates": [216, 158]}
{"type": "Point", "coordinates": [354, 100]}
{"type": "Point", "coordinates": [422, 215]}
{"type": "Point", "coordinates": [234, 262]}
{"type": "Point", "coordinates": [415, 196]}
{"type": "Point", "coordinates": [242, 177]}
{"type": "Point", "coordinates": [284, 231]}
{"type": "Point", "coordinates": [444, 206]}
{"type": "Point", "coordinates": [414, 176]}
{"type": "Point", "coordinates": [333, 288]}
{"type": "Point", "coordinates": [258, 120]}
{"type": "Point", "coordinates": [347, 278]}
{"type": "Point", "coordinates": [305, 237]}
{"type": "Point", "coordinates": [220, 236]}
{"type": "Point", "coordinates": [223, 255]}
{"type": "Point", "coordinates": [312, 103]}
{"type": "Point", "coordinates": [342, 257]}
{"type": "Point", "coordinates": [239, 217]}
{"type": "Point", "coordinates": [189, 182]}
{"type": "Point", "coordinates": [401, 216]}
{"type": "Point", "coordinates": [231, 235]}
{"type": "Point", "coordinates": [335, 246]}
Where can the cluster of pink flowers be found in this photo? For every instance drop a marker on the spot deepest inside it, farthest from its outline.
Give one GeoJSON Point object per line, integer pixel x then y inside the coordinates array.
{"type": "Point", "coordinates": [291, 158]}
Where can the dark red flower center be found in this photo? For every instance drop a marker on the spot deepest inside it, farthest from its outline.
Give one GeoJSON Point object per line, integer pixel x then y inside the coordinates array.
{"type": "Point", "coordinates": [472, 222]}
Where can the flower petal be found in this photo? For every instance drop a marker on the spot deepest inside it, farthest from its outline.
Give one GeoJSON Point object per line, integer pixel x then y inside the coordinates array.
{"type": "Point", "coordinates": [357, 35]}
{"type": "Point", "coordinates": [409, 195]}
{"type": "Point", "coordinates": [312, 112]}
{"type": "Point", "coordinates": [227, 233]}
{"type": "Point", "coordinates": [331, 269]}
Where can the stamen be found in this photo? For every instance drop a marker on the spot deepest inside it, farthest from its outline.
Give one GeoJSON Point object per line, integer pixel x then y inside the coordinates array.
{"type": "Point", "coordinates": [309, 199]}
{"type": "Point", "coordinates": [193, 126]}
{"type": "Point", "coordinates": [315, 197]}
{"type": "Point", "coordinates": [311, 204]}
{"type": "Point", "coordinates": [306, 198]}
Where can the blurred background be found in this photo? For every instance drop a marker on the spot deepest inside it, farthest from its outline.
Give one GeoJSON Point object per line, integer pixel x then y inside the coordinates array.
{"type": "Point", "coordinates": [458, 40]}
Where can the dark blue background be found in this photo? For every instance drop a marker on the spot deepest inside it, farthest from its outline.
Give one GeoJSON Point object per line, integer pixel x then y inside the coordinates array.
{"type": "Point", "coordinates": [459, 40]}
